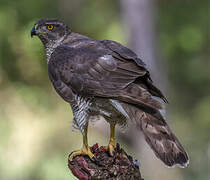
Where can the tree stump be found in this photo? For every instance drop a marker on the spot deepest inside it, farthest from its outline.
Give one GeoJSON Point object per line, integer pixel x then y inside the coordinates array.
{"type": "Point", "coordinates": [119, 167]}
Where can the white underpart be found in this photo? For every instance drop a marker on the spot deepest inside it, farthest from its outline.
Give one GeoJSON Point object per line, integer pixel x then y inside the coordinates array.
{"type": "Point", "coordinates": [119, 107]}
{"type": "Point", "coordinates": [80, 113]}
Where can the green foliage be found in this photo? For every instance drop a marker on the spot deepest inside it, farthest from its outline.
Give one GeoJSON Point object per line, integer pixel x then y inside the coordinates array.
{"type": "Point", "coordinates": [185, 36]}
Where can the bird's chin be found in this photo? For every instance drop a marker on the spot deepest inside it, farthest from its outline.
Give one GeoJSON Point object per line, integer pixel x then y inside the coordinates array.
{"type": "Point", "coordinates": [43, 38]}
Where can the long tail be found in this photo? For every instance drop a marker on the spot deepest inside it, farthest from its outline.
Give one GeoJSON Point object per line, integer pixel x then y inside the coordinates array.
{"type": "Point", "coordinates": [159, 137]}
{"type": "Point", "coordinates": [145, 111]}
{"type": "Point", "coordinates": [163, 142]}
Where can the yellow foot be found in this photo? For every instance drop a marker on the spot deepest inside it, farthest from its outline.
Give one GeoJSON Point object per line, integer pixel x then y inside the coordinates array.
{"type": "Point", "coordinates": [83, 151]}
{"type": "Point", "coordinates": [110, 148]}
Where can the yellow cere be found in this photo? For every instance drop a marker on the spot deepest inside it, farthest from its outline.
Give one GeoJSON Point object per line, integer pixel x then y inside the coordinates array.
{"type": "Point", "coordinates": [36, 26]}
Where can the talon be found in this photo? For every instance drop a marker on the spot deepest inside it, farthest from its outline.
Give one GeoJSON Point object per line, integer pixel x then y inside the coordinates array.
{"type": "Point", "coordinates": [95, 160]}
{"type": "Point", "coordinates": [114, 153]}
{"type": "Point", "coordinates": [84, 151]}
{"type": "Point", "coordinates": [111, 149]}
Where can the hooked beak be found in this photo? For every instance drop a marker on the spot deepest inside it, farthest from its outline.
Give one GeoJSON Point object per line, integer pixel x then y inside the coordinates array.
{"type": "Point", "coordinates": [34, 31]}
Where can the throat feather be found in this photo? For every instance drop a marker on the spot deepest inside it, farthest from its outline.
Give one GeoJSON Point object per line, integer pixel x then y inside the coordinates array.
{"type": "Point", "coordinates": [51, 46]}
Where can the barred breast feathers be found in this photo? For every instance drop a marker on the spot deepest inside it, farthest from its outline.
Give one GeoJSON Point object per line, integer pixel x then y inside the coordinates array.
{"type": "Point", "coordinates": [80, 111]}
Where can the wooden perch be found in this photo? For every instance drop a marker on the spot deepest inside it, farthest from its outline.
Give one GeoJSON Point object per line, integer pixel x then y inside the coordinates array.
{"type": "Point", "coordinates": [119, 167]}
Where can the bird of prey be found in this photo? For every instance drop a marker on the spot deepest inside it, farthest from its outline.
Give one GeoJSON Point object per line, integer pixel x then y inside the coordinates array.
{"type": "Point", "coordinates": [104, 78]}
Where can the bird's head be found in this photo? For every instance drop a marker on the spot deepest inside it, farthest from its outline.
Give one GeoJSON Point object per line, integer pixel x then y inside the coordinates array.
{"type": "Point", "coordinates": [50, 30]}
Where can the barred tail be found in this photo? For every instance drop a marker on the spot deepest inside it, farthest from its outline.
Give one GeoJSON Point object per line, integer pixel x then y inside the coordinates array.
{"type": "Point", "coordinates": [163, 142]}
{"type": "Point", "coordinates": [159, 137]}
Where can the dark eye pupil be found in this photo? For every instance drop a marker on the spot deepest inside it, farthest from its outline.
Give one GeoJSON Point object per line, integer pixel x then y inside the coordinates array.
{"type": "Point", "coordinates": [50, 27]}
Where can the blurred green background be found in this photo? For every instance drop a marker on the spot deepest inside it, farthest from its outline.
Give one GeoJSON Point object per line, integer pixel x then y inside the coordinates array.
{"type": "Point", "coordinates": [35, 136]}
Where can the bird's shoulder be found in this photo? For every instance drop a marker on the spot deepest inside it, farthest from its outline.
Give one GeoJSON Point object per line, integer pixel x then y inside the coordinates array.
{"type": "Point", "coordinates": [79, 47]}
{"type": "Point", "coordinates": [83, 50]}
{"type": "Point", "coordinates": [121, 52]}
{"type": "Point", "coordinates": [96, 58]}
{"type": "Point", "coordinates": [79, 54]}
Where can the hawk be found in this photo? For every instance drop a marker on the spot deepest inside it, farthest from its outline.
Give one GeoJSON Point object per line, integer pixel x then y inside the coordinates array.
{"type": "Point", "coordinates": [104, 78]}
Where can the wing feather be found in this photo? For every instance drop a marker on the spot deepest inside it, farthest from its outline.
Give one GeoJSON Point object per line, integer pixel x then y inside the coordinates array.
{"type": "Point", "coordinates": [97, 70]}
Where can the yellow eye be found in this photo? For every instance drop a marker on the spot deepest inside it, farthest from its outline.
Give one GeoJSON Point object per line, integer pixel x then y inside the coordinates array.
{"type": "Point", "coordinates": [50, 27]}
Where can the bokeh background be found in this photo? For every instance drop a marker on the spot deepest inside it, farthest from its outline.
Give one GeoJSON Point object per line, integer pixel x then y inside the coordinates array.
{"type": "Point", "coordinates": [172, 37]}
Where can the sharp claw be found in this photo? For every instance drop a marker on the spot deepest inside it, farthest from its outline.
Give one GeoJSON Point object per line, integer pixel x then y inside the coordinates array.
{"type": "Point", "coordinates": [71, 156]}
{"type": "Point", "coordinates": [95, 160]}
{"type": "Point", "coordinates": [111, 149]}
{"type": "Point", "coordinates": [114, 154]}
{"type": "Point", "coordinates": [84, 151]}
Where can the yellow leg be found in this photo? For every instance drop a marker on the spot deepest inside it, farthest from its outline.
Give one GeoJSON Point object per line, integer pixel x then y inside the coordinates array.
{"type": "Point", "coordinates": [85, 148]}
{"type": "Point", "coordinates": [111, 145]}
